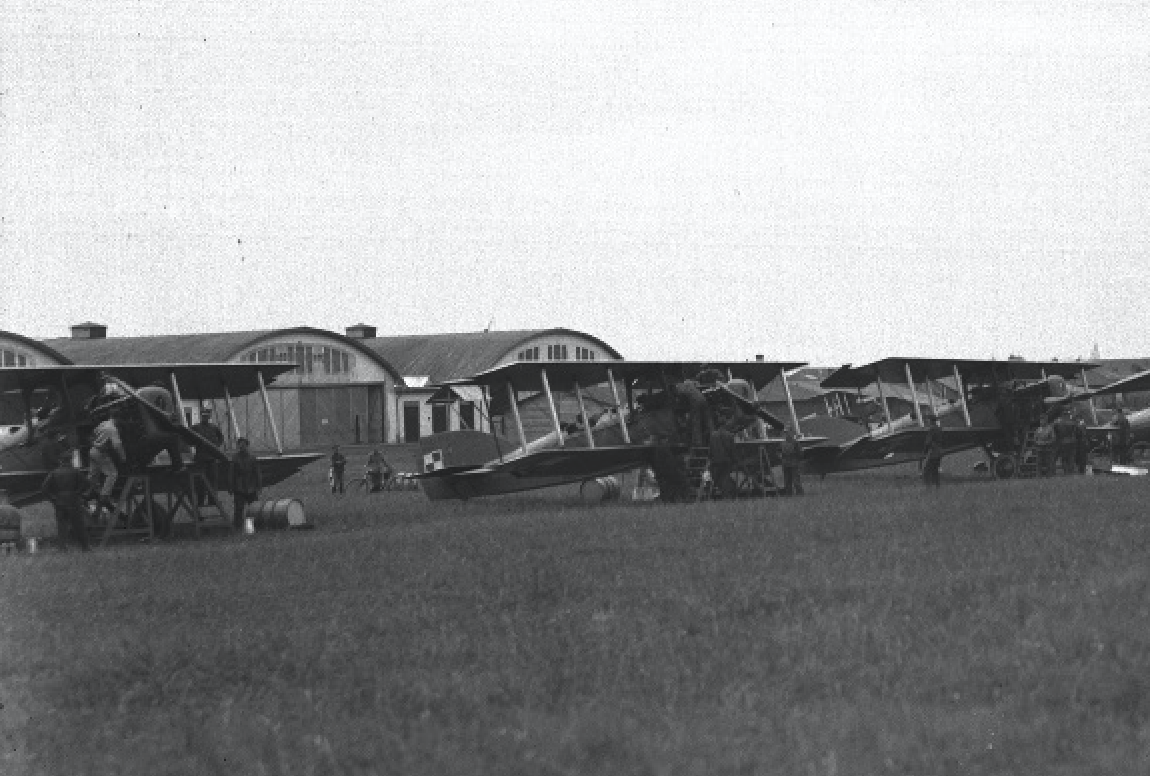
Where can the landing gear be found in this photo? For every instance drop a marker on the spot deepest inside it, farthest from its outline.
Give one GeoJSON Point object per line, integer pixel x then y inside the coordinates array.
{"type": "Point", "coordinates": [1004, 466]}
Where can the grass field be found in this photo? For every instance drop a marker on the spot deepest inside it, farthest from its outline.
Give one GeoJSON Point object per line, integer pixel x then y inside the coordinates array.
{"type": "Point", "coordinates": [868, 628]}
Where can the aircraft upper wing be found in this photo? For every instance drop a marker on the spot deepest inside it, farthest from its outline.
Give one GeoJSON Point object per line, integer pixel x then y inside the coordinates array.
{"type": "Point", "coordinates": [577, 462]}
{"type": "Point", "coordinates": [973, 371]}
{"type": "Point", "coordinates": [196, 381]}
{"type": "Point", "coordinates": [1136, 382]}
{"type": "Point", "coordinates": [563, 375]}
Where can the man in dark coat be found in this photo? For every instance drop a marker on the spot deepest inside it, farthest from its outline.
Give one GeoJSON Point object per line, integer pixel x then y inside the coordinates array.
{"type": "Point", "coordinates": [724, 456]}
{"type": "Point", "coordinates": [791, 453]}
{"type": "Point", "coordinates": [1120, 437]}
{"type": "Point", "coordinates": [1064, 430]}
{"type": "Point", "coordinates": [1045, 447]}
{"type": "Point", "coordinates": [338, 464]}
{"type": "Point", "coordinates": [690, 399]}
{"type": "Point", "coordinates": [65, 487]}
{"type": "Point", "coordinates": [246, 482]}
{"type": "Point", "coordinates": [932, 454]}
{"type": "Point", "coordinates": [203, 457]}
{"type": "Point", "coordinates": [670, 473]}
{"type": "Point", "coordinates": [1081, 445]}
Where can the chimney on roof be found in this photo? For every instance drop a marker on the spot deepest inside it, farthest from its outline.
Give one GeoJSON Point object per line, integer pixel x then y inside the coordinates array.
{"type": "Point", "coordinates": [760, 357]}
{"type": "Point", "coordinates": [361, 331]}
{"type": "Point", "coordinates": [89, 330]}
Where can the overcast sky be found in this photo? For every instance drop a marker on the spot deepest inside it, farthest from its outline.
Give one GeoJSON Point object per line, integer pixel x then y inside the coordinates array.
{"type": "Point", "coordinates": [815, 181]}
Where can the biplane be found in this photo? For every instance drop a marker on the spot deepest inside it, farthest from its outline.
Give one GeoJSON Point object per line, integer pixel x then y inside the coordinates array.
{"type": "Point", "coordinates": [61, 404]}
{"type": "Point", "coordinates": [999, 405]}
{"type": "Point", "coordinates": [467, 464]}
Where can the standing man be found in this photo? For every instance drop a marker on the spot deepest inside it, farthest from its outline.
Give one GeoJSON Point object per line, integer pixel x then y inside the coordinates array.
{"type": "Point", "coordinates": [1045, 445]}
{"type": "Point", "coordinates": [203, 457]}
{"type": "Point", "coordinates": [932, 454]}
{"type": "Point", "coordinates": [65, 487]}
{"type": "Point", "coordinates": [1081, 445]}
{"type": "Point", "coordinates": [670, 474]}
{"type": "Point", "coordinates": [791, 453]}
{"type": "Point", "coordinates": [691, 400]}
{"type": "Point", "coordinates": [723, 454]}
{"type": "Point", "coordinates": [378, 470]}
{"type": "Point", "coordinates": [105, 460]}
{"type": "Point", "coordinates": [338, 463]}
{"type": "Point", "coordinates": [1064, 430]}
{"type": "Point", "coordinates": [245, 481]}
{"type": "Point", "coordinates": [1120, 438]}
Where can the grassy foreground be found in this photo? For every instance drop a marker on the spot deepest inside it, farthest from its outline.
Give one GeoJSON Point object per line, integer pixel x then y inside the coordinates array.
{"type": "Point", "coordinates": [870, 627]}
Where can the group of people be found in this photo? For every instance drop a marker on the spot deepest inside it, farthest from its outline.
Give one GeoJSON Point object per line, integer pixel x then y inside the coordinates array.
{"type": "Point", "coordinates": [123, 439]}
{"type": "Point", "coordinates": [715, 430]}
{"type": "Point", "coordinates": [1061, 440]}
{"type": "Point", "coordinates": [379, 471]}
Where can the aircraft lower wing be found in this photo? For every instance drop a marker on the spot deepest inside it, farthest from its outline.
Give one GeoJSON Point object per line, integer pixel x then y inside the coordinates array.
{"type": "Point", "coordinates": [24, 486]}
{"type": "Point", "coordinates": [900, 447]}
{"type": "Point", "coordinates": [578, 463]}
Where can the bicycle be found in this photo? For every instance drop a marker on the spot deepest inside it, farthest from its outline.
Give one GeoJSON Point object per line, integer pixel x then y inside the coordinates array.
{"type": "Point", "coordinates": [362, 483]}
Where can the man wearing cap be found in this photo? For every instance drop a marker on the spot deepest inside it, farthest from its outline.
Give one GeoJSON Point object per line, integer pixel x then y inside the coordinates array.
{"type": "Point", "coordinates": [246, 481]}
{"type": "Point", "coordinates": [724, 454]}
{"type": "Point", "coordinates": [1045, 447]}
{"type": "Point", "coordinates": [932, 454]}
{"type": "Point", "coordinates": [791, 453]}
{"type": "Point", "coordinates": [203, 457]}
{"type": "Point", "coordinates": [1064, 431]}
{"type": "Point", "coordinates": [65, 487]}
{"type": "Point", "coordinates": [690, 400]}
{"type": "Point", "coordinates": [105, 459]}
{"type": "Point", "coordinates": [1120, 440]}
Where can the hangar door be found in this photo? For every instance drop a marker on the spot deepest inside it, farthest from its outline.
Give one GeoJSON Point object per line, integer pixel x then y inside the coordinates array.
{"type": "Point", "coordinates": [339, 415]}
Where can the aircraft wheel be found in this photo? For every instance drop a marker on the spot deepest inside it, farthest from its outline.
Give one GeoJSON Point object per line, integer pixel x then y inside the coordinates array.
{"type": "Point", "coordinates": [1004, 467]}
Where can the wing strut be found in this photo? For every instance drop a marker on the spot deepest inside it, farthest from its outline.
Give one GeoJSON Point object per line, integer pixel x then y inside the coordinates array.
{"type": "Point", "coordinates": [551, 406]}
{"type": "Point", "coordinates": [183, 421]}
{"type": "Point", "coordinates": [618, 407]}
{"type": "Point", "coordinates": [1090, 401]}
{"type": "Point", "coordinates": [268, 411]}
{"type": "Point", "coordinates": [961, 394]}
{"type": "Point", "coordinates": [790, 403]}
{"type": "Point", "coordinates": [66, 398]}
{"type": "Point", "coordinates": [490, 425]}
{"type": "Point", "coordinates": [583, 413]}
{"type": "Point", "coordinates": [515, 411]}
{"type": "Point", "coordinates": [913, 394]}
{"type": "Point", "coordinates": [231, 414]}
{"type": "Point", "coordinates": [882, 396]}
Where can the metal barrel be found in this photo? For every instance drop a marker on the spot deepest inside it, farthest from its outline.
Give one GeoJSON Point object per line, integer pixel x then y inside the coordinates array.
{"type": "Point", "coordinates": [279, 514]}
{"type": "Point", "coordinates": [599, 490]}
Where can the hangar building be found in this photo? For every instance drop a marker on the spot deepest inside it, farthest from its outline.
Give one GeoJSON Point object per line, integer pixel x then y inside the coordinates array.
{"type": "Point", "coordinates": [347, 388]}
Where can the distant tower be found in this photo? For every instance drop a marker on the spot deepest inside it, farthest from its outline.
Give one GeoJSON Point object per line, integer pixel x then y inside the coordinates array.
{"type": "Point", "coordinates": [1094, 354]}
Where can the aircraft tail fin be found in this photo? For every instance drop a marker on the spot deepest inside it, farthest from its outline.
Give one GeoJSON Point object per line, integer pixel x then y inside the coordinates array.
{"type": "Point", "coordinates": [462, 449]}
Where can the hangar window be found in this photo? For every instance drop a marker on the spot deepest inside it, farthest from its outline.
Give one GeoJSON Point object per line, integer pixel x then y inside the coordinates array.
{"type": "Point", "coordinates": [584, 354]}
{"type": "Point", "coordinates": [14, 358]}
{"type": "Point", "coordinates": [308, 359]}
{"type": "Point", "coordinates": [530, 354]}
{"type": "Point", "coordinates": [556, 352]}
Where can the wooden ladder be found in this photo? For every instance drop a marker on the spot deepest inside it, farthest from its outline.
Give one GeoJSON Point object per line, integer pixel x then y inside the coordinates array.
{"type": "Point", "coordinates": [698, 462]}
{"type": "Point", "coordinates": [1028, 457]}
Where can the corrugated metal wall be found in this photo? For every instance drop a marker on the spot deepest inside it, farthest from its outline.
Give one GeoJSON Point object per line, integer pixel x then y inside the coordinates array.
{"type": "Point", "coordinates": [307, 417]}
